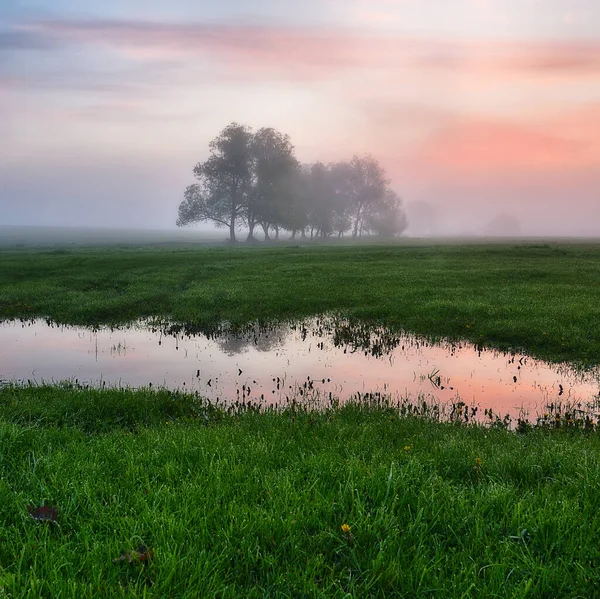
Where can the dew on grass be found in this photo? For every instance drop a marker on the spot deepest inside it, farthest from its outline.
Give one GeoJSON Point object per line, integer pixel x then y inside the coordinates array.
{"type": "Point", "coordinates": [323, 358]}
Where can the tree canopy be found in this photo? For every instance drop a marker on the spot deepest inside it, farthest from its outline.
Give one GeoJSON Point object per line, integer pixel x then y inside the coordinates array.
{"type": "Point", "coordinates": [254, 178]}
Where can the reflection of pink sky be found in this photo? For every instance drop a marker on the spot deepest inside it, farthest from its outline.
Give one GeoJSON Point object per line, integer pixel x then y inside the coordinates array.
{"type": "Point", "coordinates": [134, 357]}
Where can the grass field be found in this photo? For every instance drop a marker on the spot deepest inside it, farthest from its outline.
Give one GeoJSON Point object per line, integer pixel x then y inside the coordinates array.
{"type": "Point", "coordinates": [543, 299]}
{"type": "Point", "coordinates": [159, 494]}
{"type": "Point", "coordinates": [350, 502]}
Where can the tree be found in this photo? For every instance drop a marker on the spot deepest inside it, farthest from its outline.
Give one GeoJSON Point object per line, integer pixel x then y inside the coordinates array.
{"type": "Point", "coordinates": [503, 225]}
{"type": "Point", "coordinates": [387, 218]}
{"type": "Point", "coordinates": [367, 186]}
{"type": "Point", "coordinates": [255, 178]}
{"type": "Point", "coordinates": [341, 177]}
{"type": "Point", "coordinates": [295, 197]}
{"type": "Point", "coordinates": [225, 181]}
{"type": "Point", "coordinates": [320, 198]}
{"type": "Point", "coordinates": [273, 164]}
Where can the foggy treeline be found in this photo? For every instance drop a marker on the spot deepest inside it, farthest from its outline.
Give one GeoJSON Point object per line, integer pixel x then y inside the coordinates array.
{"type": "Point", "coordinates": [254, 179]}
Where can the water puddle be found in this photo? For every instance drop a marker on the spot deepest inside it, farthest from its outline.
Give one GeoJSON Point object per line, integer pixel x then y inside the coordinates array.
{"type": "Point", "coordinates": [320, 358]}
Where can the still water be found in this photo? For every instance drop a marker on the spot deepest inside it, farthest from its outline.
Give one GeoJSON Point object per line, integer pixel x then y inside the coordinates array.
{"type": "Point", "coordinates": [271, 365]}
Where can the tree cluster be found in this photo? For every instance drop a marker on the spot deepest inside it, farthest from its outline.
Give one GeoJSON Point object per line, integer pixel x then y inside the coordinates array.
{"type": "Point", "coordinates": [254, 179]}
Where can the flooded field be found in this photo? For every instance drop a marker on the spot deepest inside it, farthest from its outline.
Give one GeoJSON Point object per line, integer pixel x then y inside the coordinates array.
{"type": "Point", "coordinates": [319, 359]}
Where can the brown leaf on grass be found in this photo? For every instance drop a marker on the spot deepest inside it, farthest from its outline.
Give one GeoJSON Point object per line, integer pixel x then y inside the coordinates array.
{"type": "Point", "coordinates": [43, 513]}
{"type": "Point", "coordinates": [143, 554]}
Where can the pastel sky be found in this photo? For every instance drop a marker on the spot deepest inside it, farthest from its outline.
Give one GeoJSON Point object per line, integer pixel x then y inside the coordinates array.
{"type": "Point", "coordinates": [477, 107]}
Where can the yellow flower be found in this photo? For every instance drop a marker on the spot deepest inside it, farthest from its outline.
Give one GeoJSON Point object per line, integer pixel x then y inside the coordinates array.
{"type": "Point", "coordinates": [346, 529]}
{"type": "Point", "coordinates": [478, 462]}
{"type": "Point", "coordinates": [407, 447]}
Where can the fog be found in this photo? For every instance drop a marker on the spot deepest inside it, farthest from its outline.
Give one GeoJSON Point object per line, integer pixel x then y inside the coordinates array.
{"type": "Point", "coordinates": [145, 198]}
{"type": "Point", "coordinates": [485, 116]}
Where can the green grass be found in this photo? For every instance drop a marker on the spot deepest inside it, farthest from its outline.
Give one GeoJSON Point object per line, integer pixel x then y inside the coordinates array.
{"type": "Point", "coordinates": [543, 299]}
{"type": "Point", "coordinates": [252, 504]}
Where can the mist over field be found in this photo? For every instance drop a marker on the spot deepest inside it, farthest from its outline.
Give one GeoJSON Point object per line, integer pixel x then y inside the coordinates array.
{"type": "Point", "coordinates": [485, 116]}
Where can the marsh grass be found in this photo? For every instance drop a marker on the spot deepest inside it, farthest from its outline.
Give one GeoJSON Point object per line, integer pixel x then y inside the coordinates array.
{"type": "Point", "coordinates": [543, 299]}
{"type": "Point", "coordinates": [356, 500]}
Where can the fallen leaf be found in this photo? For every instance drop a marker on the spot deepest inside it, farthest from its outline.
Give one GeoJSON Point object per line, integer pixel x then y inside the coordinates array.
{"type": "Point", "coordinates": [43, 513]}
{"type": "Point", "coordinates": [143, 554]}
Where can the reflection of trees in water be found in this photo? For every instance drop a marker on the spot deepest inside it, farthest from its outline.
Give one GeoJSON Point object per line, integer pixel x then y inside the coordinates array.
{"type": "Point", "coordinates": [350, 335]}
{"type": "Point", "coordinates": [261, 338]}
{"type": "Point", "coordinates": [231, 341]}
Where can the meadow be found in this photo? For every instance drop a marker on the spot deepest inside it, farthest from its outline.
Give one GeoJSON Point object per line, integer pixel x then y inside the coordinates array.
{"type": "Point", "coordinates": [543, 299]}
{"type": "Point", "coordinates": [123, 493]}
{"type": "Point", "coordinates": [159, 495]}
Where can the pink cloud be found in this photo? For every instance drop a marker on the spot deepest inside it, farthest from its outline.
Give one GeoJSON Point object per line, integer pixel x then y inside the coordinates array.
{"type": "Point", "coordinates": [490, 148]}
{"type": "Point", "coordinates": [487, 145]}
{"type": "Point", "coordinates": [321, 51]}
{"type": "Point", "coordinates": [370, 85]}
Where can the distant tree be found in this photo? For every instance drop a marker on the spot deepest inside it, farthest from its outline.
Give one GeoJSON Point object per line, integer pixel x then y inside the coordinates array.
{"type": "Point", "coordinates": [503, 225]}
{"type": "Point", "coordinates": [387, 218]}
{"type": "Point", "coordinates": [273, 165]}
{"type": "Point", "coordinates": [320, 200]}
{"type": "Point", "coordinates": [255, 178]}
{"type": "Point", "coordinates": [367, 188]}
{"type": "Point", "coordinates": [341, 205]}
{"type": "Point", "coordinates": [225, 181]}
{"type": "Point", "coordinates": [294, 195]}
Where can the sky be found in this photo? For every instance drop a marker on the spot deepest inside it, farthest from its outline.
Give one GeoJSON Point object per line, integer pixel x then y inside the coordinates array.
{"type": "Point", "coordinates": [477, 108]}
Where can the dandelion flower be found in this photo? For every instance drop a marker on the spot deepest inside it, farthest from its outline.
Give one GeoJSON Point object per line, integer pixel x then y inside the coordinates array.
{"type": "Point", "coordinates": [407, 447]}
{"type": "Point", "coordinates": [346, 528]}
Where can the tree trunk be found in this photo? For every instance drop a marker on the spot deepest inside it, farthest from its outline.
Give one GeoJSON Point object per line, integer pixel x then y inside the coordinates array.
{"type": "Point", "coordinates": [277, 233]}
{"type": "Point", "coordinates": [266, 230]}
{"type": "Point", "coordinates": [251, 225]}
{"type": "Point", "coordinates": [293, 234]}
{"type": "Point", "coordinates": [357, 222]}
{"type": "Point", "coordinates": [234, 214]}
{"type": "Point", "coordinates": [303, 234]}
